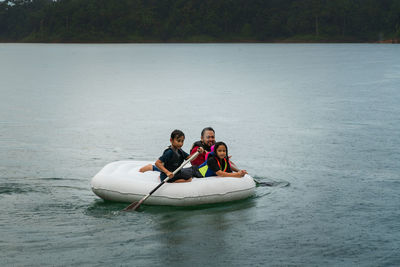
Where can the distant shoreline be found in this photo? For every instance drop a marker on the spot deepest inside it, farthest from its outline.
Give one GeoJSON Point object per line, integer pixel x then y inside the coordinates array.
{"type": "Point", "coordinates": [190, 21]}
{"type": "Point", "coordinates": [390, 41]}
{"type": "Point", "coordinates": [213, 41]}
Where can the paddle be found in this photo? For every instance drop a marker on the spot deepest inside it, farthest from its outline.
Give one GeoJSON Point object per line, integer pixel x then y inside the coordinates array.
{"type": "Point", "coordinates": [136, 205]}
{"type": "Point", "coordinates": [257, 182]}
{"type": "Point", "coordinates": [263, 183]}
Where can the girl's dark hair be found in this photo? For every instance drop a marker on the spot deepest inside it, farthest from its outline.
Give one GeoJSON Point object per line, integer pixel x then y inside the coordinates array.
{"type": "Point", "coordinates": [206, 129]}
{"type": "Point", "coordinates": [218, 144]}
{"type": "Point", "coordinates": [176, 134]}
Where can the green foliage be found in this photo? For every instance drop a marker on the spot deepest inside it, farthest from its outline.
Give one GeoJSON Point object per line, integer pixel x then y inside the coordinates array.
{"type": "Point", "coordinates": [198, 20]}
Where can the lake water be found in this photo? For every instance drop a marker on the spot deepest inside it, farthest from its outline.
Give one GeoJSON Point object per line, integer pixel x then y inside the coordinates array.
{"type": "Point", "coordinates": [324, 118]}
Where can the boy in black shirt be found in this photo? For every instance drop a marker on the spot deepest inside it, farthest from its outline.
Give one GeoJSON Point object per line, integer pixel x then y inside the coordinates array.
{"type": "Point", "coordinates": [172, 158]}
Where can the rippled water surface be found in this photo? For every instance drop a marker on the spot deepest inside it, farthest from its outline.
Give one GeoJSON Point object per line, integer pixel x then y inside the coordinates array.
{"type": "Point", "coordinates": [323, 118]}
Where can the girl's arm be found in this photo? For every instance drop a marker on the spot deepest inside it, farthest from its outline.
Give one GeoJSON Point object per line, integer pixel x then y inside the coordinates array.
{"type": "Point", "coordinates": [238, 174]}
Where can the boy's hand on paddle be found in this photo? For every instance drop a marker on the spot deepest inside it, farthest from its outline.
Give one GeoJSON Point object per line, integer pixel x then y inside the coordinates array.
{"type": "Point", "coordinates": [170, 174]}
{"type": "Point", "coordinates": [201, 150]}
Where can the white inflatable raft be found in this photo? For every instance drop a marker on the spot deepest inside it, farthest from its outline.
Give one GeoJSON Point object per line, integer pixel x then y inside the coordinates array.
{"type": "Point", "coordinates": [121, 181]}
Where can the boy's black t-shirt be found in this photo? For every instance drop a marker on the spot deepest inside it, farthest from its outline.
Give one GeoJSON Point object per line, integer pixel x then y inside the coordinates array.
{"type": "Point", "coordinates": [172, 159]}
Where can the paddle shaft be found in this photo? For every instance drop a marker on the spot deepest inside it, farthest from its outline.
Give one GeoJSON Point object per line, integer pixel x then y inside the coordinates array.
{"type": "Point", "coordinates": [257, 182]}
{"type": "Point", "coordinates": [135, 205]}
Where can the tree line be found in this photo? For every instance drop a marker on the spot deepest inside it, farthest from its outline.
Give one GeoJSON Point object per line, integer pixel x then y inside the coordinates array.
{"type": "Point", "coordinates": [199, 20]}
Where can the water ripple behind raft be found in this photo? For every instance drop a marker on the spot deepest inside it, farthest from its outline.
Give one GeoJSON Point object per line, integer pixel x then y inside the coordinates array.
{"type": "Point", "coordinates": [19, 188]}
{"type": "Point", "coordinates": [105, 209]}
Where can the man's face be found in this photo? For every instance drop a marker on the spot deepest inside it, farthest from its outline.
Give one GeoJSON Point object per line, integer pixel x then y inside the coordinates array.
{"type": "Point", "coordinates": [208, 138]}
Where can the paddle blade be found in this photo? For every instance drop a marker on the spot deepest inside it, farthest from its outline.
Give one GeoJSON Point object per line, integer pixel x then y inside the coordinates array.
{"type": "Point", "coordinates": [272, 183]}
{"type": "Point", "coordinates": [133, 206]}
{"type": "Point", "coordinates": [264, 184]}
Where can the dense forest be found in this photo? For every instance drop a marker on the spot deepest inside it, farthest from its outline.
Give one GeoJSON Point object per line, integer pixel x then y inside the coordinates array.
{"type": "Point", "coordinates": [199, 20]}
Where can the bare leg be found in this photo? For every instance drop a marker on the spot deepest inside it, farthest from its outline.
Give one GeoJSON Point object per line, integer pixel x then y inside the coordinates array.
{"type": "Point", "coordinates": [183, 180]}
{"type": "Point", "coordinates": [148, 167]}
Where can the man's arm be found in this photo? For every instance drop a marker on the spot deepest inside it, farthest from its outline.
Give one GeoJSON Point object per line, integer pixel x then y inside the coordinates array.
{"type": "Point", "coordinates": [233, 167]}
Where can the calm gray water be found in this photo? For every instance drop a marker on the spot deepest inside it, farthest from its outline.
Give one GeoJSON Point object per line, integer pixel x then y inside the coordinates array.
{"type": "Point", "coordinates": [325, 118]}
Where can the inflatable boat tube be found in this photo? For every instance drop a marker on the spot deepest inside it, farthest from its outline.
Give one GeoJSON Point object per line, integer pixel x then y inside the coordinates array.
{"type": "Point", "coordinates": [121, 181]}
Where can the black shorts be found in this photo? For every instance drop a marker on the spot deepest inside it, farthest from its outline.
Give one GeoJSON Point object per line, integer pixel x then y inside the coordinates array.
{"type": "Point", "coordinates": [185, 174]}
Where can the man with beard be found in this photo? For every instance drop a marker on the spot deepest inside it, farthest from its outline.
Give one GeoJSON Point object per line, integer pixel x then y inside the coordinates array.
{"type": "Point", "coordinates": [206, 142]}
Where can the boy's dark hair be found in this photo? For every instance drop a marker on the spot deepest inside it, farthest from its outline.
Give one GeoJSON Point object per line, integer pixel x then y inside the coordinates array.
{"type": "Point", "coordinates": [176, 134]}
{"type": "Point", "coordinates": [218, 144]}
{"type": "Point", "coordinates": [206, 129]}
